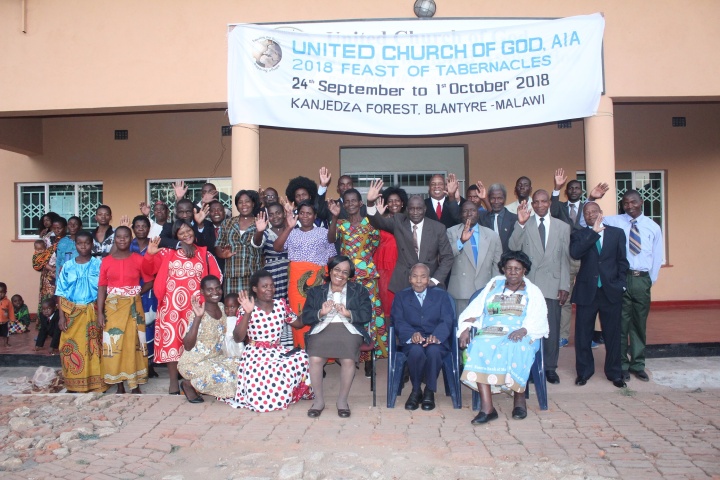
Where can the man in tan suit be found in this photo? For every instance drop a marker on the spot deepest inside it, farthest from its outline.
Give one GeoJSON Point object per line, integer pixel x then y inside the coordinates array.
{"type": "Point", "coordinates": [477, 252]}
{"type": "Point", "coordinates": [546, 241]}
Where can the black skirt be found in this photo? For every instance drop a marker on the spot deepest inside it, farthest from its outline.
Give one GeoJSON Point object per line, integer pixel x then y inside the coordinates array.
{"type": "Point", "coordinates": [335, 341]}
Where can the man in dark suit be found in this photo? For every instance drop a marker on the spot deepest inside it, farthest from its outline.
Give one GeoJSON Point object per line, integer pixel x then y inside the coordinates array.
{"type": "Point", "coordinates": [204, 229]}
{"type": "Point", "coordinates": [442, 206]}
{"type": "Point", "coordinates": [498, 219]}
{"type": "Point", "coordinates": [423, 319]}
{"type": "Point", "coordinates": [599, 287]}
{"type": "Point", "coordinates": [418, 239]}
{"type": "Point", "coordinates": [546, 242]}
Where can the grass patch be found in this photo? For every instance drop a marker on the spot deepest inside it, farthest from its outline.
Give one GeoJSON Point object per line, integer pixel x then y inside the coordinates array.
{"type": "Point", "coordinates": [174, 448]}
{"type": "Point", "coordinates": [88, 436]}
{"type": "Point", "coordinates": [626, 392]}
{"type": "Point", "coordinates": [82, 462]}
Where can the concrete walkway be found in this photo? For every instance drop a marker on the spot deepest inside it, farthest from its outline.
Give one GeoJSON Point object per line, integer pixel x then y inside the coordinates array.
{"type": "Point", "coordinates": [649, 430]}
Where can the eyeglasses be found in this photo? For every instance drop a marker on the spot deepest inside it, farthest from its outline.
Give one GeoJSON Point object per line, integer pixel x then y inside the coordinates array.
{"type": "Point", "coordinates": [344, 273]}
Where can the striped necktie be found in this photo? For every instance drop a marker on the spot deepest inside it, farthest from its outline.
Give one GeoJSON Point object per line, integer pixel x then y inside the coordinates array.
{"type": "Point", "coordinates": [635, 242]}
{"type": "Point", "coordinates": [598, 245]}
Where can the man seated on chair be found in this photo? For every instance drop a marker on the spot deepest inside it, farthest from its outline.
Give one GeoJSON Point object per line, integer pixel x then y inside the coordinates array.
{"type": "Point", "coordinates": [423, 319]}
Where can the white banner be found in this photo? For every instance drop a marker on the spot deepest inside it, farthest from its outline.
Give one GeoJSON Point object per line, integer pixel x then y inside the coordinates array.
{"type": "Point", "coordinates": [417, 84]}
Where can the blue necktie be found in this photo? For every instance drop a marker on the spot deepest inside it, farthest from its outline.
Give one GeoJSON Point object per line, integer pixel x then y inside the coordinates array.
{"type": "Point", "coordinates": [599, 248]}
{"type": "Point", "coordinates": [473, 242]}
{"type": "Point", "coordinates": [421, 297]}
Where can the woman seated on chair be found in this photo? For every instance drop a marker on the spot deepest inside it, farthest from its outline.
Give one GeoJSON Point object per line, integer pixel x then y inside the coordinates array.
{"type": "Point", "coordinates": [510, 315]}
{"type": "Point", "coordinates": [337, 313]}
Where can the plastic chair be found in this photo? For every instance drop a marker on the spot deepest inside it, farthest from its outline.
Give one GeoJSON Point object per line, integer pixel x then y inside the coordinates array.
{"type": "Point", "coordinates": [365, 347]}
{"type": "Point", "coordinates": [450, 368]}
{"type": "Point", "coordinates": [537, 371]}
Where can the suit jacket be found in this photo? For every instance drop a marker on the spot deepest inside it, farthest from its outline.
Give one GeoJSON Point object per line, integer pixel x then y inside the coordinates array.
{"type": "Point", "coordinates": [467, 277]}
{"type": "Point", "coordinates": [505, 228]}
{"type": "Point", "coordinates": [610, 264]}
{"type": "Point", "coordinates": [450, 212]}
{"type": "Point", "coordinates": [206, 238]}
{"type": "Point", "coordinates": [357, 301]}
{"type": "Point", "coordinates": [550, 268]}
{"type": "Point", "coordinates": [561, 211]}
{"type": "Point", "coordinates": [435, 317]}
{"type": "Point", "coordinates": [435, 251]}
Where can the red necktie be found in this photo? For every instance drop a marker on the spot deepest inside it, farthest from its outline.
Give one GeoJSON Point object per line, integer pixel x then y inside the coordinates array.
{"type": "Point", "coordinates": [438, 211]}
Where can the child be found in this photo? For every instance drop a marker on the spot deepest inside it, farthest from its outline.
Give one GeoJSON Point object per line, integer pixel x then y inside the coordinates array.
{"type": "Point", "coordinates": [6, 313]}
{"type": "Point", "coordinates": [48, 319]}
{"type": "Point", "coordinates": [22, 316]}
{"type": "Point", "coordinates": [232, 305]}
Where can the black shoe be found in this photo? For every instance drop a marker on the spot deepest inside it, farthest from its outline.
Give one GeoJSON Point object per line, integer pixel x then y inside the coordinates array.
{"type": "Point", "coordinates": [625, 375]}
{"type": "Point", "coordinates": [344, 412]}
{"type": "Point", "coordinates": [428, 401]}
{"type": "Point", "coordinates": [619, 383]}
{"type": "Point", "coordinates": [483, 417]}
{"type": "Point", "coordinates": [519, 413]}
{"type": "Point", "coordinates": [580, 381]}
{"type": "Point", "coordinates": [413, 401]}
{"type": "Point", "coordinates": [552, 377]}
{"type": "Point", "coordinates": [368, 369]}
{"type": "Point", "coordinates": [642, 375]}
{"type": "Point", "coordinates": [151, 371]}
{"type": "Point", "coordinates": [315, 412]}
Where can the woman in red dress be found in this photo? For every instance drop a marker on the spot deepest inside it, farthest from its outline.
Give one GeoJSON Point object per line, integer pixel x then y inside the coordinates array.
{"type": "Point", "coordinates": [178, 274]}
{"type": "Point", "coordinates": [386, 254]}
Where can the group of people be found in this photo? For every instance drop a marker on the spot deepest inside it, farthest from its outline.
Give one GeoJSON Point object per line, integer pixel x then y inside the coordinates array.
{"type": "Point", "coordinates": [251, 308]}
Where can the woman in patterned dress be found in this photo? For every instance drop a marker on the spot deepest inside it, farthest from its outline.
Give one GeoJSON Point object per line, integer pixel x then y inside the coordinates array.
{"type": "Point", "coordinates": [177, 279]}
{"type": "Point", "coordinates": [271, 376]}
{"type": "Point", "coordinates": [358, 241]}
{"type": "Point", "coordinates": [308, 252]}
{"type": "Point", "coordinates": [204, 366]}
{"type": "Point", "coordinates": [276, 262]}
{"type": "Point", "coordinates": [514, 304]}
{"type": "Point", "coordinates": [235, 244]}
{"type": "Point", "coordinates": [386, 254]}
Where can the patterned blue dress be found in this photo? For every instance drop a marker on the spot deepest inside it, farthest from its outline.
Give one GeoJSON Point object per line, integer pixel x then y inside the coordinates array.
{"type": "Point", "coordinates": [495, 359]}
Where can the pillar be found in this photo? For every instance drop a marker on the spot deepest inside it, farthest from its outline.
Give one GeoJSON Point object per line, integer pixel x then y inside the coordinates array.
{"type": "Point", "coordinates": [245, 158]}
{"type": "Point", "coordinates": [600, 153]}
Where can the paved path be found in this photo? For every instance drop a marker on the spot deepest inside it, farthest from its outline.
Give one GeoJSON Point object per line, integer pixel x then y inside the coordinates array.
{"type": "Point", "coordinates": [647, 431]}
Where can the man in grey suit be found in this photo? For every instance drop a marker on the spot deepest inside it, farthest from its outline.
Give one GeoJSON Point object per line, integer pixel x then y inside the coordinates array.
{"type": "Point", "coordinates": [418, 239]}
{"type": "Point", "coordinates": [477, 252]}
{"type": "Point", "coordinates": [498, 219]}
{"type": "Point", "coordinates": [546, 242]}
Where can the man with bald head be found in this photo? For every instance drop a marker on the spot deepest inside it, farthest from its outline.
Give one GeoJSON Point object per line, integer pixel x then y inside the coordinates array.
{"type": "Point", "coordinates": [442, 205]}
{"type": "Point", "coordinates": [423, 319]}
{"type": "Point", "coordinates": [418, 239]}
{"type": "Point", "coordinates": [546, 241]}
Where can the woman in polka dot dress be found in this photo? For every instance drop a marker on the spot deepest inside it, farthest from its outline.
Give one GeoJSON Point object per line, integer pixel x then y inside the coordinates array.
{"type": "Point", "coordinates": [270, 376]}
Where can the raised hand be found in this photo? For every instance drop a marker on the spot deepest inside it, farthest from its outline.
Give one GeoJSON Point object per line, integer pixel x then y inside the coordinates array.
{"type": "Point", "coordinates": [523, 212]}
{"type": "Point", "coordinates": [180, 189]}
{"type": "Point", "coordinates": [124, 221]}
{"type": "Point", "coordinates": [325, 176]}
{"type": "Point", "coordinates": [289, 207]}
{"type": "Point", "coordinates": [599, 191]}
{"type": "Point", "coordinates": [466, 233]}
{"type": "Point", "coordinates": [247, 303]}
{"type": "Point", "coordinates": [482, 191]}
{"type": "Point", "coordinates": [452, 185]}
{"type": "Point", "coordinates": [291, 219]}
{"type": "Point", "coordinates": [598, 225]}
{"type": "Point", "coordinates": [145, 209]}
{"type": "Point", "coordinates": [374, 190]}
{"type": "Point", "coordinates": [334, 208]}
{"type": "Point", "coordinates": [200, 215]}
{"type": "Point", "coordinates": [261, 221]}
{"type": "Point", "coordinates": [380, 205]}
{"type": "Point", "coordinates": [153, 246]}
{"type": "Point", "coordinates": [560, 178]}
{"type": "Point", "coordinates": [209, 197]}
{"type": "Point", "coordinates": [197, 308]}
{"type": "Point", "coordinates": [226, 252]}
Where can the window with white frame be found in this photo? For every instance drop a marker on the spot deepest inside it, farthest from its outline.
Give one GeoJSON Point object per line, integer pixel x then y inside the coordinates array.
{"type": "Point", "coordinates": [163, 190]}
{"type": "Point", "coordinates": [67, 199]}
{"type": "Point", "coordinates": [650, 185]}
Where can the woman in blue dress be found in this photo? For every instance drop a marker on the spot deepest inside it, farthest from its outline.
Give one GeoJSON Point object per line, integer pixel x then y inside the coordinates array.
{"type": "Point", "coordinates": [510, 315]}
{"type": "Point", "coordinates": [139, 244]}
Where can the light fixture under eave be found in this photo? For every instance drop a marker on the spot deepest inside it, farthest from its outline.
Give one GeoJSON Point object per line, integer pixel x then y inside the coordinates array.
{"type": "Point", "coordinates": [424, 8]}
